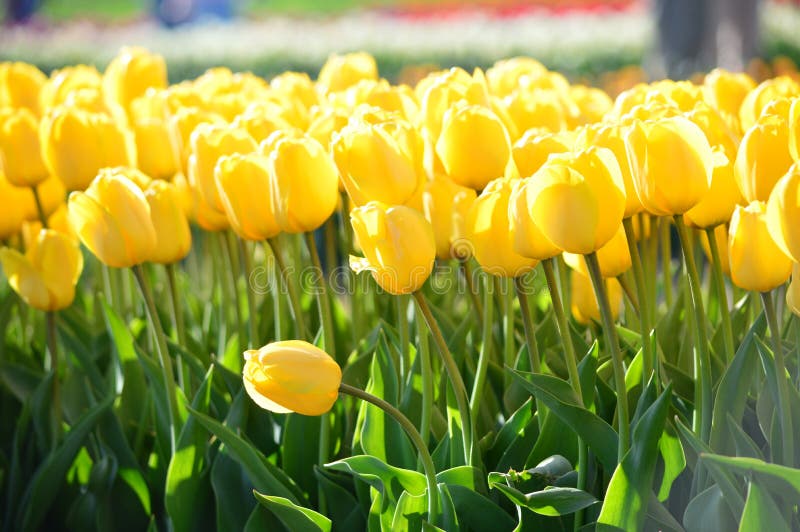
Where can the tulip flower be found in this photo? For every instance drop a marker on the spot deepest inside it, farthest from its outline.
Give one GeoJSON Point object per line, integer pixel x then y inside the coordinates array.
{"type": "Point", "coordinates": [341, 71]}
{"type": "Point", "coordinates": [537, 109]}
{"type": "Point", "coordinates": [20, 154]}
{"type": "Point", "coordinates": [445, 206]}
{"type": "Point", "coordinates": [209, 142]}
{"type": "Point", "coordinates": [173, 238]}
{"type": "Point", "coordinates": [100, 141]}
{"type": "Point", "coordinates": [46, 275]}
{"type": "Point", "coordinates": [717, 206]}
{"type": "Point", "coordinates": [20, 84]}
{"type": "Point", "coordinates": [112, 219]}
{"type": "Point", "coordinates": [783, 213]}
{"type": "Point", "coordinates": [671, 162]}
{"type": "Point", "coordinates": [528, 240]}
{"type": "Point", "coordinates": [534, 147]}
{"type": "Point", "coordinates": [758, 98]}
{"type": "Point", "coordinates": [718, 132]}
{"type": "Point", "coordinates": [130, 74]}
{"type": "Point", "coordinates": [614, 257]}
{"type": "Point", "coordinates": [237, 177]}
{"type": "Point", "coordinates": [304, 183]}
{"type": "Point", "coordinates": [292, 376]}
{"type": "Point", "coordinates": [763, 158]}
{"type": "Point", "coordinates": [725, 91]}
{"type": "Point", "coordinates": [507, 75]}
{"type": "Point", "coordinates": [296, 87]}
{"type": "Point", "coordinates": [584, 302]}
{"type": "Point", "coordinates": [158, 147]}
{"type": "Point", "coordinates": [577, 199]}
{"type": "Point", "coordinates": [757, 262]}
{"type": "Point", "coordinates": [793, 291]}
{"type": "Point", "coordinates": [67, 81]}
{"type": "Point", "coordinates": [487, 230]}
{"type": "Point", "coordinates": [398, 244]}
{"type": "Point", "coordinates": [489, 153]}
{"type": "Point", "coordinates": [437, 94]}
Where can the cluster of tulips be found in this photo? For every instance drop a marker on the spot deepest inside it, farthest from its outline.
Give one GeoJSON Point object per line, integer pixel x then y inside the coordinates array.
{"type": "Point", "coordinates": [513, 170]}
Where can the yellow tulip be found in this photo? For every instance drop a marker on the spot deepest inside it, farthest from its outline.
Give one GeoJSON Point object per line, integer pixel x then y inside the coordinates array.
{"type": "Point", "coordinates": [534, 147]}
{"type": "Point", "coordinates": [130, 74]}
{"type": "Point", "coordinates": [528, 240]}
{"type": "Point", "coordinates": [672, 163]}
{"type": "Point", "coordinates": [758, 98]}
{"type": "Point", "coordinates": [398, 244]}
{"type": "Point", "coordinates": [536, 109]}
{"type": "Point", "coordinates": [682, 94]}
{"type": "Point", "coordinates": [506, 75]}
{"type": "Point", "coordinates": [185, 120]}
{"type": "Point", "coordinates": [489, 147]}
{"type": "Point", "coordinates": [584, 303]}
{"type": "Point", "coordinates": [721, 237]}
{"type": "Point", "coordinates": [378, 162]}
{"type": "Point", "coordinates": [614, 257]}
{"type": "Point", "coordinates": [14, 210]}
{"type": "Point", "coordinates": [296, 87]}
{"type": "Point", "coordinates": [592, 104]}
{"type": "Point", "coordinates": [488, 231]}
{"type": "Point", "coordinates": [783, 213]}
{"type": "Point", "coordinates": [209, 142]}
{"type": "Point", "coordinates": [445, 206]}
{"type": "Point", "coordinates": [292, 376]}
{"type": "Point", "coordinates": [112, 219]}
{"type": "Point", "coordinates": [438, 93]}
{"type": "Point", "coordinates": [66, 81]}
{"type": "Point", "coordinates": [757, 263]}
{"type": "Point", "coordinates": [725, 91]}
{"type": "Point", "coordinates": [20, 84]}
{"type": "Point", "coordinates": [794, 130]}
{"type": "Point", "coordinates": [243, 183]}
{"type": "Point", "coordinates": [20, 155]}
{"type": "Point", "coordinates": [100, 141]}
{"type": "Point", "coordinates": [627, 100]}
{"type": "Point", "coordinates": [723, 196]}
{"type": "Point", "coordinates": [157, 147]}
{"type": "Point", "coordinates": [304, 181]}
{"type": "Point", "coordinates": [263, 120]}
{"type": "Point", "coordinates": [46, 275]}
{"type": "Point", "coordinates": [716, 129]}
{"type": "Point", "coordinates": [793, 291]}
{"type": "Point", "coordinates": [52, 195]}
{"type": "Point", "coordinates": [341, 71]}
{"type": "Point", "coordinates": [763, 158]}
{"type": "Point", "coordinates": [173, 238]}
{"type": "Point", "coordinates": [577, 199]}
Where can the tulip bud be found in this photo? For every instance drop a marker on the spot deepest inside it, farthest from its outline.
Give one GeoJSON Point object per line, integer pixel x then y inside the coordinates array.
{"type": "Point", "coordinates": [763, 158]}
{"type": "Point", "coordinates": [793, 291]}
{"type": "Point", "coordinates": [532, 150]}
{"type": "Point", "coordinates": [672, 164]}
{"type": "Point", "coordinates": [112, 219]}
{"type": "Point", "coordinates": [528, 240]}
{"type": "Point", "coordinates": [614, 257]}
{"type": "Point", "coordinates": [130, 74]}
{"type": "Point", "coordinates": [20, 155]}
{"type": "Point", "coordinates": [173, 238]}
{"type": "Point", "coordinates": [584, 303]}
{"type": "Point", "coordinates": [67, 131]}
{"type": "Point", "coordinates": [783, 213]}
{"type": "Point", "coordinates": [723, 196]}
{"type": "Point", "coordinates": [209, 142]}
{"type": "Point", "coordinates": [46, 275]}
{"type": "Point", "coordinates": [488, 231]}
{"type": "Point", "coordinates": [577, 199]}
{"type": "Point", "coordinates": [292, 376]}
{"type": "Point", "coordinates": [489, 153]}
{"type": "Point", "coordinates": [20, 84]}
{"type": "Point", "coordinates": [725, 91]}
{"type": "Point", "coordinates": [446, 205]}
{"type": "Point", "coordinates": [398, 244]}
{"type": "Point", "coordinates": [243, 184]}
{"type": "Point", "coordinates": [342, 71]}
{"type": "Point", "coordinates": [758, 98]}
{"type": "Point", "coordinates": [721, 238]}
{"type": "Point", "coordinates": [304, 181]}
{"type": "Point", "coordinates": [757, 263]}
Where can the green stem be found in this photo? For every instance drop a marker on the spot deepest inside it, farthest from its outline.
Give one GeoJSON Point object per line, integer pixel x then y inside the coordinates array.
{"type": "Point", "coordinates": [616, 356]}
{"type": "Point", "coordinates": [453, 374]}
{"type": "Point", "coordinates": [294, 298]}
{"type": "Point", "coordinates": [52, 347]}
{"type": "Point", "coordinates": [402, 328]}
{"type": "Point", "coordinates": [177, 320]}
{"type": "Point", "coordinates": [39, 209]}
{"type": "Point", "coordinates": [485, 352]}
{"type": "Point", "coordinates": [702, 420]}
{"type": "Point", "coordinates": [232, 255]}
{"type": "Point", "coordinates": [467, 270]}
{"type": "Point", "coordinates": [427, 380]}
{"type": "Point", "coordinates": [416, 439]}
{"type": "Point", "coordinates": [784, 412]}
{"type": "Point", "coordinates": [224, 291]}
{"type": "Point", "coordinates": [509, 349]}
{"type": "Point", "coordinates": [277, 307]}
{"type": "Point", "coordinates": [649, 361]}
{"type": "Point", "coordinates": [252, 318]}
{"type": "Point", "coordinates": [530, 339]}
{"type": "Point", "coordinates": [162, 350]}
{"type": "Point", "coordinates": [629, 293]}
{"type": "Point", "coordinates": [722, 295]}
{"type": "Point", "coordinates": [666, 260]}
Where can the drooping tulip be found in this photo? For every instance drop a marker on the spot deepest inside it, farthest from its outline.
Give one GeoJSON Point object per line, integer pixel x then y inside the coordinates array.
{"type": "Point", "coordinates": [398, 244]}
{"type": "Point", "coordinates": [757, 262]}
{"type": "Point", "coordinates": [292, 376]}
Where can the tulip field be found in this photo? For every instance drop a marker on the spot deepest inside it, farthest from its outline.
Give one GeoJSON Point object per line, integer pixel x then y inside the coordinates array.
{"type": "Point", "coordinates": [490, 301]}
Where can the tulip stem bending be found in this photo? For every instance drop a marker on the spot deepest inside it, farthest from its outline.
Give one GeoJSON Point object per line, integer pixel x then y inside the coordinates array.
{"type": "Point", "coordinates": [416, 439]}
{"type": "Point", "coordinates": [294, 298]}
{"type": "Point", "coordinates": [702, 420]}
{"type": "Point", "coordinates": [453, 374]}
{"type": "Point", "coordinates": [161, 348]}
{"type": "Point", "coordinates": [722, 296]}
{"type": "Point", "coordinates": [784, 412]}
{"type": "Point", "coordinates": [617, 365]}
{"type": "Point", "coordinates": [649, 361]}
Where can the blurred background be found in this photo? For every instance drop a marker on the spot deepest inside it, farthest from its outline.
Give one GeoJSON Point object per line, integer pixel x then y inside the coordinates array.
{"type": "Point", "coordinates": [611, 43]}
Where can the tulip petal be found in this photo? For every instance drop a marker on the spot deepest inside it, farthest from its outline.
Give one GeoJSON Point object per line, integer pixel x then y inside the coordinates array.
{"type": "Point", "coordinates": [24, 279]}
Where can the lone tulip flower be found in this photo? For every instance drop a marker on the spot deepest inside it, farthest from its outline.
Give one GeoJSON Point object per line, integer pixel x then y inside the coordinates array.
{"type": "Point", "coordinates": [398, 244]}
{"type": "Point", "coordinates": [757, 263]}
{"type": "Point", "coordinates": [46, 275]}
{"type": "Point", "coordinates": [292, 376]}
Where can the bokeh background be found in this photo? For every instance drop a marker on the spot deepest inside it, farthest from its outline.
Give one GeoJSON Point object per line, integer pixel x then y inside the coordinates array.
{"type": "Point", "coordinates": [610, 43]}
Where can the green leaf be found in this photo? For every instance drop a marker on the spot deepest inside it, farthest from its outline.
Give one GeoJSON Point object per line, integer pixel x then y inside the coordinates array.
{"type": "Point", "coordinates": [294, 517]}
{"type": "Point", "coordinates": [344, 510]}
{"type": "Point", "coordinates": [629, 491]}
{"type": "Point", "coordinates": [410, 512]}
{"type": "Point", "coordinates": [674, 460]}
{"type": "Point", "coordinates": [233, 490]}
{"type": "Point", "coordinates": [761, 512]}
{"type": "Point", "coordinates": [777, 477]}
{"type": "Point", "coordinates": [382, 476]}
{"type": "Point", "coordinates": [561, 400]}
{"type": "Point", "coordinates": [551, 501]}
{"type": "Point", "coordinates": [708, 511]}
{"type": "Point", "coordinates": [448, 518]}
{"type": "Point", "coordinates": [476, 512]}
{"type": "Point", "coordinates": [299, 450]}
{"type": "Point", "coordinates": [48, 479]}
